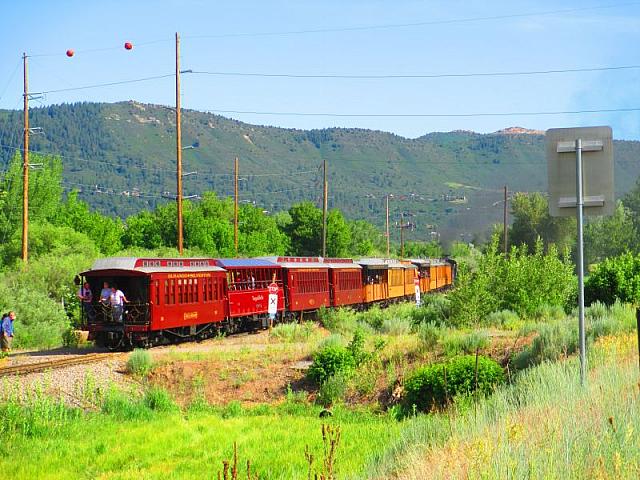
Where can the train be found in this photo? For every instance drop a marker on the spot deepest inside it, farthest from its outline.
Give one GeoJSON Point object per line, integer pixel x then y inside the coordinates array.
{"type": "Point", "coordinates": [178, 299]}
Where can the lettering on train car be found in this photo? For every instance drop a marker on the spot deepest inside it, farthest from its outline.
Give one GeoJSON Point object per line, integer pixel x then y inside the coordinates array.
{"type": "Point", "coordinates": [190, 315]}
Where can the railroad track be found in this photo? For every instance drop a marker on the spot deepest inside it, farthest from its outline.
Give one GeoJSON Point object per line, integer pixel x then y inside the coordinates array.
{"type": "Point", "coordinates": [52, 364]}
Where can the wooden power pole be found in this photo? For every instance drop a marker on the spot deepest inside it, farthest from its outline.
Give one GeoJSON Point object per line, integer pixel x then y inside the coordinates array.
{"type": "Point", "coordinates": [25, 165]}
{"type": "Point", "coordinates": [235, 207]}
{"type": "Point", "coordinates": [505, 224]}
{"type": "Point", "coordinates": [325, 189]}
{"type": "Point", "coordinates": [178, 147]}
{"type": "Point", "coordinates": [387, 230]}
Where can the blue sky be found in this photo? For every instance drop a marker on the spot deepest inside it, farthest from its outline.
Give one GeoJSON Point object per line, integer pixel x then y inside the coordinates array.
{"type": "Point", "coordinates": [96, 31]}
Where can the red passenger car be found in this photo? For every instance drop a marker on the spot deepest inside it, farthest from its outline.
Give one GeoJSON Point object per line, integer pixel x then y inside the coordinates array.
{"type": "Point", "coordinates": [168, 299]}
{"type": "Point", "coordinates": [248, 280]}
{"type": "Point", "coordinates": [345, 281]}
{"type": "Point", "coordinates": [306, 282]}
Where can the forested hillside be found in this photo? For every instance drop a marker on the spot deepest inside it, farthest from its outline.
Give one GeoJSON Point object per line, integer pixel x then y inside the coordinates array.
{"type": "Point", "coordinates": [121, 157]}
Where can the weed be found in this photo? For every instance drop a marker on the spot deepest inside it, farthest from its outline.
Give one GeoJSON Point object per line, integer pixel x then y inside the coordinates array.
{"type": "Point", "coordinates": [333, 389]}
{"type": "Point", "coordinates": [158, 399]}
{"type": "Point", "coordinates": [428, 333]}
{"type": "Point", "coordinates": [396, 326]}
{"type": "Point", "coordinates": [139, 362]}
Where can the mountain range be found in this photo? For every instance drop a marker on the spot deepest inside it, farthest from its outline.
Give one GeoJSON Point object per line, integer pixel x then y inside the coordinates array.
{"type": "Point", "coordinates": [121, 157]}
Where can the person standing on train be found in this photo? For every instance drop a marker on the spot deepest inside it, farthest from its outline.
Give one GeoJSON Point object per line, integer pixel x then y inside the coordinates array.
{"type": "Point", "coordinates": [86, 297]}
{"type": "Point", "coordinates": [105, 293]}
{"type": "Point", "coordinates": [117, 299]}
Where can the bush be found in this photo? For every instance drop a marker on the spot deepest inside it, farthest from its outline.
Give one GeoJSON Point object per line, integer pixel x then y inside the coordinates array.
{"type": "Point", "coordinates": [330, 360]}
{"type": "Point", "coordinates": [428, 333]}
{"type": "Point", "coordinates": [425, 388]}
{"type": "Point", "coordinates": [553, 342]}
{"type": "Point", "coordinates": [333, 389]}
{"type": "Point", "coordinates": [548, 313]}
{"type": "Point", "coordinates": [158, 399]}
{"type": "Point", "coordinates": [522, 282]}
{"type": "Point", "coordinates": [502, 318]}
{"type": "Point", "coordinates": [139, 362]}
{"type": "Point", "coordinates": [341, 320]}
{"type": "Point", "coordinates": [396, 326]}
{"type": "Point", "coordinates": [614, 279]}
{"type": "Point", "coordinates": [434, 309]}
{"type": "Point", "coordinates": [293, 332]}
{"type": "Point", "coordinates": [455, 342]}
{"type": "Point", "coordinates": [71, 338]}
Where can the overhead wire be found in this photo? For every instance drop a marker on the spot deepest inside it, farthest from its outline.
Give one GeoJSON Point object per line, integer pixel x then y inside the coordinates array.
{"type": "Point", "coordinates": [413, 24]}
{"type": "Point", "coordinates": [424, 115]}
{"type": "Point", "coordinates": [417, 75]}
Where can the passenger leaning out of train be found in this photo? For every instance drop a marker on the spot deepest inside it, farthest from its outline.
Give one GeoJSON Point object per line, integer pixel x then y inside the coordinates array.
{"type": "Point", "coordinates": [117, 300]}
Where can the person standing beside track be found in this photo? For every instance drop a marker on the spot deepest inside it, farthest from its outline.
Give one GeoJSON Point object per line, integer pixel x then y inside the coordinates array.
{"type": "Point", "coordinates": [6, 331]}
{"type": "Point", "coordinates": [117, 299]}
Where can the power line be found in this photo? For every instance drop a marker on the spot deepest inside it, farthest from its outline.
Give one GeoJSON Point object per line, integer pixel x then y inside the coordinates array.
{"type": "Point", "coordinates": [424, 115]}
{"type": "Point", "coordinates": [414, 24]}
{"type": "Point", "coordinates": [418, 76]}
{"type": "Point", "coordinates": [102, 49]}
{"type": "Point", "coordinates": [108, 84]}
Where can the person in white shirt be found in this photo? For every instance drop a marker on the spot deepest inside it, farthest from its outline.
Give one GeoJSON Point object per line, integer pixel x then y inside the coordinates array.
{"type": "Point", "coordinates": [117, 299]}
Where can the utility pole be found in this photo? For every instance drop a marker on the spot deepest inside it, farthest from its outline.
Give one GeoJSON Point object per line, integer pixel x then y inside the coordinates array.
{"type": "Point", "coordinates": [178, 146]}
{"type": "Point", "coordinates": [402, 235]}
{"type": "Point", "coordinates": [25, 165]}
{"type": "Point", "coordinates": [505, 224]}
{"type": "Point", "coordinates": [325, 189]}
{"type": "Point", "coordinates": [387, 229]}
{"type": "Point", "coordinates": [402, 226]}
{"type": "Point", "coordinates": [235, 207]}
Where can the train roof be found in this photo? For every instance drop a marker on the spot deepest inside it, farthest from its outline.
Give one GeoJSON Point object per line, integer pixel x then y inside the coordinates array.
{"type": "Point", "coordinates": [246, 262]}
{"type": "Point", "coordinates": [313, 262]}
{"type": "Point", "coordinates": [425, 262]}
{"type": "Point", "coordinates": [384, 263]}
{"type": "Point", "coordinates": [153, 265]}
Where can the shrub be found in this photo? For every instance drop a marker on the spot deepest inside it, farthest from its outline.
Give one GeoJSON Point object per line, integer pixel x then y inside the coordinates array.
{"type": "Point", "coordinates": [71, 338]}
{"type": "Point", "coordinates": [548, 313]}
{"type": "Point", "coordinates": [522, 282]}
{"type": "Point", "coordinates": [330, 360]}
{"type": "Point", "coordinates": [139, 362]}
{"type": "Point", "coordinates": [396, 326]}
{"type": "Point", "coordinates": [434, 309]}
{"type": "Point", "coordinates": [335, 339]}
{"type": "Point", "coordinates": [553, 341]}
{"type": "Point", "coordinates": [425, 388]}
{"type": "Point", "coordinates": [333, 389]}
{"type": "Point", "coordinates": [341, 320]}
{"type": "Point", "coordinates": [293, 332]}
{"type": "Point", "coordinates": [158, 399]}
{"type": "Point", "coordinates": [455, 342]}
{"type": "Point", "coordinates": [503, 318]}
{"type": "Point", "coordinates": [428, 333]}
{"type": "Point", "coordinates": [614, 279]}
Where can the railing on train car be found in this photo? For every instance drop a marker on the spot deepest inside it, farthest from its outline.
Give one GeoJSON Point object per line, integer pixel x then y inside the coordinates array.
{"type": "Point", "coordinates": [133, 314]}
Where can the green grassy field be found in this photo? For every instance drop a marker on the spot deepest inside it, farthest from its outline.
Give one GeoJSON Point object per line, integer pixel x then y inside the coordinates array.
{"type": "Point", "coordinates": [190, 446]}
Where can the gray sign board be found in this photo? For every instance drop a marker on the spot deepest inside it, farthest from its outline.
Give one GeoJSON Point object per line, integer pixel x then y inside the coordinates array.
{"type": "Point", "coordinates": [597, 170]}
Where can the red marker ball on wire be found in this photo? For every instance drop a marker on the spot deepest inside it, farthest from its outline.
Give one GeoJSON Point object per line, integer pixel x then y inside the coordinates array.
{"type": "Point", "coordinates": [70, 53]}
{"type": "Point", "coordinates": [128, 45]}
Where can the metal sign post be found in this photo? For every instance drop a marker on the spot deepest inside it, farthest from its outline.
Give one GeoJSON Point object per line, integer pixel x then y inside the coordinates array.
{"type": "Point", "coordinates": [579, 209]}
{"type": "Point", "coordinates": [588, 189]}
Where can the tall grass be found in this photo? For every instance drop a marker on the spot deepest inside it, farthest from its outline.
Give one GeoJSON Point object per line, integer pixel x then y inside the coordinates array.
{"type": "Point", "coordinates": [546, 425]}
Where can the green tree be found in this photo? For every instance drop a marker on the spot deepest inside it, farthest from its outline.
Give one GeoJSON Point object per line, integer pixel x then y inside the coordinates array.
{"type": "Point", "coordinates": [305, 229]}
{"type": "Point", "coordinates": [338, 235]}
{"type": "Point", "coordinates": [606, 237]}
{"type": "Point", "coordinates": [366, 239]}
{"type": "Point", "coordinates": [431, 249]}
{"type": "Point", "coordinates": [530, 212]}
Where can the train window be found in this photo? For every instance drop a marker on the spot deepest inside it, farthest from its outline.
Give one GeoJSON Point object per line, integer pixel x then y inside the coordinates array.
{"type": "Point", "coordinates": [188, 297]}
{"type": "Point", "coordinates": [195, 290]}
{"type": "Point", "coordinates": [172, 292]}
{"type": "Point", "coordinates": [166, 292]}
{"type": "Point", "coordinates": [157, 290]}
